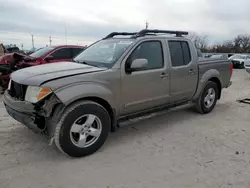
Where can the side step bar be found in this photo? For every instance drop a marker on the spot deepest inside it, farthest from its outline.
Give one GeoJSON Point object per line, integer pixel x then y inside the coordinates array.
{"type": "Point", "coordinates": [132, 118]}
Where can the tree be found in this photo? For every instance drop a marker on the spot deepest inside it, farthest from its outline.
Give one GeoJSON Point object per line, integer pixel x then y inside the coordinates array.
{"type": "Point", "coordinates": [200, 41]}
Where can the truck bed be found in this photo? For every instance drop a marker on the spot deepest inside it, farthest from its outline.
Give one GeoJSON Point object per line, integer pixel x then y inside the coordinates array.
{"type": "Point", "coordinates": [221, 67]}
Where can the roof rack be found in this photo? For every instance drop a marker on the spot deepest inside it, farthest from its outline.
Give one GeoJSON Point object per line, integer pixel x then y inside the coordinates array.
{"type": "Point", "coordinates": [146, 32]}
{"type": "Point", "coordinates": [118, 33]}
{"type": "Point", "coordinates": [155, 31]}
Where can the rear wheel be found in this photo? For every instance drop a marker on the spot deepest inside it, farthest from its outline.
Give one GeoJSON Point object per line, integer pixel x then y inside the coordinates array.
{"type": "Point", "coordinates": [242, 65]}
{"type": "Point", "coordinates": [208, 98]}
{"type": "Point", "coordinates": [83, 129]}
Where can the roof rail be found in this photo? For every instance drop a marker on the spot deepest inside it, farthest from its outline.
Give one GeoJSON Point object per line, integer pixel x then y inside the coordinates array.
{"type": "Point", "coordinates": [149, 31]}
{"type": "Point", "coordinates": [118, 33]}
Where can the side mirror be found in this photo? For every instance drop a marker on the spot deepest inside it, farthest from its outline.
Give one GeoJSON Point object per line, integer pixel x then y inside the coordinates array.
{"type": "Point", "coordinates": [138, 64]}
{"type": "Point", "coordinates": [48, 58]}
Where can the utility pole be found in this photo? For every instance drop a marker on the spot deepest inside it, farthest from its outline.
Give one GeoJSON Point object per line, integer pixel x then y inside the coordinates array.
{"type": "Point", "coordinates": [147, 25]}
{"type": "Point", "coordinates": [66, 32]}
{"type": "Point", "coordinates": [32, 37]}
{"type": "Point", "coordinates": [50, 40]}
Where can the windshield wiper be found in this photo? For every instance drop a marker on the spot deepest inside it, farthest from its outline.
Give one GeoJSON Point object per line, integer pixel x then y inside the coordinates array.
{"type": "Point", "coordinates": [85, 63]}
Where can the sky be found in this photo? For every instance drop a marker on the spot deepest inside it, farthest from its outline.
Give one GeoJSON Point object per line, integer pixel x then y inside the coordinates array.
{"type": "Point", "coordinates": [85, 21]}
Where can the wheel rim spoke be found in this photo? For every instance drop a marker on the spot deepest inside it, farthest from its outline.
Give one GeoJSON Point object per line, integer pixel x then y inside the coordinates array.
{"type": "Point", "coordinates": [94, 132]}
{"type": "Point", "coordinates": [82, 140]}
{"type": "Point", "coordinates": [90, 120]}
{"type": "Point", "coordinates": [76, 128]}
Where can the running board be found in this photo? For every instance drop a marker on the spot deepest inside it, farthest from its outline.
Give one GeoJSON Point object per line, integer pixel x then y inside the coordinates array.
{"type": "Point", "coordinates": [133, 118]}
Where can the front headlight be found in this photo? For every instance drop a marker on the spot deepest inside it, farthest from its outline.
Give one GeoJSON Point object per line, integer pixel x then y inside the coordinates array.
{"type": "Point", "coordinates": [35, 94]}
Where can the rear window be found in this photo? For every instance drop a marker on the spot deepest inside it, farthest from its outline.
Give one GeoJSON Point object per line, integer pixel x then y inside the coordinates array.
{"type": "Point", "coordinates": [179, 52]}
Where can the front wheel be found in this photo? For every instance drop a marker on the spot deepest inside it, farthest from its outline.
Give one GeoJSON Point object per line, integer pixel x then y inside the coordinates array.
{"type": "Point", "coordinates": [82, 129]}
{"type": "Point", "coordinates": [208, 98]}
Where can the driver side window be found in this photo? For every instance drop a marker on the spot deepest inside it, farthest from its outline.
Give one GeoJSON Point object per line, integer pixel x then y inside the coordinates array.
{"type": "Point", "coordinates": [150, 50]}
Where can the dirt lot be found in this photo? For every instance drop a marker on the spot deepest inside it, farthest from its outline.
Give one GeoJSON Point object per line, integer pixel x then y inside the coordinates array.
{"type": "Point", "coordinates": [178, 149]}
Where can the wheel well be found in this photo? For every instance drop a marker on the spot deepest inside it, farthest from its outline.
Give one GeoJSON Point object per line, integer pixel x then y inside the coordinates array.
{"type": "Point", "coordinates": [106, 105]}
{"type": "Point", "coordinates": [217, 81]}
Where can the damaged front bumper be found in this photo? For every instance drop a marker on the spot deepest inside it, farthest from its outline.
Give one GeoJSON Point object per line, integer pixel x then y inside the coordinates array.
{"type": "Point", "coordinates": [27, 114]}
{"type": "Point", "coordinates": [21, 111]}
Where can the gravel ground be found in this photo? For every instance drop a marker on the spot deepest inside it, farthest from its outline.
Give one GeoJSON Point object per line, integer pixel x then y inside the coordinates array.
{"type": "Point", "coordinates": [175, 150]}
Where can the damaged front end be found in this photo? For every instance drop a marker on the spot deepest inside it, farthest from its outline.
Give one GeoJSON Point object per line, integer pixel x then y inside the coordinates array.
{"type": "Point", "coordinates": [40, 117]}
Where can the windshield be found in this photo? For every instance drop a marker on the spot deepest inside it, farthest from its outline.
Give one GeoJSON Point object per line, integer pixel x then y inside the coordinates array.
{"type": "Point", "coordinates": [41, 52]}
{"type": "Point", "coordinates": [104, 53]}
{"type": "Point", "coordinates": [237, 56]}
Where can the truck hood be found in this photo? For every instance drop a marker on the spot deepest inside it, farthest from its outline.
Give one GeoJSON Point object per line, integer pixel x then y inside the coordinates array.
{"type": "Point", "coordinates": [37, 75]}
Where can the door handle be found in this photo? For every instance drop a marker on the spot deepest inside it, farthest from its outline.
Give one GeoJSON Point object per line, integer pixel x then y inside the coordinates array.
{"type": "Point", "coordinates": [164, 75]}
{"type": "Point", "coordinates": [191, 71]}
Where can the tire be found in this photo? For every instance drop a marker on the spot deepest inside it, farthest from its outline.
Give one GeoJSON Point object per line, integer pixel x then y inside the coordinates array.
{"type": "Point", "coordinates": [242, 65]}
{"type": "Point", "coordinates": [65, 140]}
{"type": "Point", "coordinates": [201, 105]}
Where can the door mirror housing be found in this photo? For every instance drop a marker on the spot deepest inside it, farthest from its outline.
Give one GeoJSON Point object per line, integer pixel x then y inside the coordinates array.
{"type": "Point", "coordinates": [138, 64]}
{"type": "Point", "coordinates": [48, 58]}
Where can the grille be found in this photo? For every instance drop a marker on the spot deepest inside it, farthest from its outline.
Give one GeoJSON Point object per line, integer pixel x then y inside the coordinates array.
{"type": "Point", "coordinates": [17, 90]}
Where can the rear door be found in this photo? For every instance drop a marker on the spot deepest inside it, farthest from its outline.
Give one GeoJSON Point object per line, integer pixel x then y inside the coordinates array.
{"type": "Point", "coordinates": [184, 71]}
{"type": "Point", "coordinates": [75, 51]}
{"type": "Point", "coordinates": [61, 54]}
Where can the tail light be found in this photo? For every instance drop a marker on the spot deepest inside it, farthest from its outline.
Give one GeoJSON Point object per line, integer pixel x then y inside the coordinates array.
{"type": "Point", "coordinates": [231, 69]}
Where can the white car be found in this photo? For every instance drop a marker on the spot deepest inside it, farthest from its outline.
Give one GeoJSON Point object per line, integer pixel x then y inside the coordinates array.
{"type": "Point", "coordinates": [247, 66]}
{"type": "Point", "coordinates": [240, 60]}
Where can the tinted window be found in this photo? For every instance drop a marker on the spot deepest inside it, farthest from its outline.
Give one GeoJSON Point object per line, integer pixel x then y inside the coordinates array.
{"type": "Point", "coordinates": [76, 51]}
{"type": "Point", "coordinates": [152, 51]}
{"type": "Point", "coordinates": [186, 53]}
{"type": "Point", "coordinates": [179, 52]}
{"type": "Point", "coordinates": [62, 53]}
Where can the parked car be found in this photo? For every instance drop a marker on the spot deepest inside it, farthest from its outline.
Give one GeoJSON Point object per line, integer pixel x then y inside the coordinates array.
{"type": "Point", "coordinates": [114, 80]}
{"type": "Point", "coordinates": [218, 56]}
{"type": "Point", "coordinates": [239, 60]}
{"type": "Point", "coordinates": [14, 61]}
{"type": "Point", "coordinates": [247, 66]}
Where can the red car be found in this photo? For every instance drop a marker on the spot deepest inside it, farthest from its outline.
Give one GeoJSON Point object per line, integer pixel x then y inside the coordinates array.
{"type": "Point", "coordinates": [14, 61]}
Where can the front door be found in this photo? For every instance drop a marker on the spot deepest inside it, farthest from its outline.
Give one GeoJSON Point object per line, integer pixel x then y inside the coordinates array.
{"type": "Point", "coordinates": [146, 88]}
{"type": "Point", "coordinates": [184, 71]}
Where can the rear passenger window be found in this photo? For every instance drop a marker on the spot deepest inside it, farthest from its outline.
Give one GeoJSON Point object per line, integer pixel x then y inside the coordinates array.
{"type": "Point", "coordinates": [62, 53]}
{"type": "Point", "coordinates": [179, 52]}
{"type": "Point", "coordinates": [76, 51]}
{"type": "Point", "coordinates": [152, 51]}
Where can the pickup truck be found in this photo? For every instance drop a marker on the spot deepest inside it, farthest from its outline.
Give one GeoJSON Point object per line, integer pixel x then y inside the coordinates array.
{"type": "Point", "coordinates": [115, 80]}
